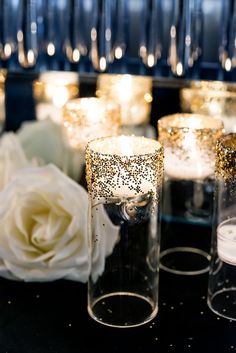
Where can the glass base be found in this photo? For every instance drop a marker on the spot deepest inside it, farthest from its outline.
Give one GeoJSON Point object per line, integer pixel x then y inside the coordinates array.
{"type": "Point", "coordinates": [184, 261]}
{"type": "Point", "coordinates": [223, 303]}
{"type": "Point", "coordinates": [123, 310]}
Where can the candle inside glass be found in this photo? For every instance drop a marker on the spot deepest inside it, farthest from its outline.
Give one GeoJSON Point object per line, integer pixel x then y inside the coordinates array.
{"type": "Point", "coordinates": [124, 178]}
{"type": "Point", "coordinates": [132, 93]}
{"type": "Point", "coordinates": [214, 98]}
{"type": "Point", "coordinates": [85, 119]}
{"type": "Point", "coordinates": [51, 91]}
{"type": "Point", "coordinates": [222, 275]}
{"type": "Point", "coordinates": [189, 141]}
{"type": "Point", "coordinates": [130, 176]}
{"type": "Point", "coordinates": [226, 241]}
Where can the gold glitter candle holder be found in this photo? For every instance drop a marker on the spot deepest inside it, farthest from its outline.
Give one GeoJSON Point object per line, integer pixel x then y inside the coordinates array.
{"type": "Point", "coordinates": [214, 98]}
{"type": "Point", "coordinates": [133, 94]}
{"type": "Point", "coordinates": [85, 119]}
{"type": "Point", "coordinates": [3, 74]}
{"type": "Point", "coordinates": [222, 278]}
{"type": "Point", "coordinates": [189, 142]}
{"type": "Point", "coordinates": [51, 91]}
{"type": "Point", "coordinates": [124, 177]}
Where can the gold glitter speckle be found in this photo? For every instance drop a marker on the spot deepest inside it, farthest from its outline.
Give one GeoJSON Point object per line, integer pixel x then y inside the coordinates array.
{"type": "Point", "coordinates": [135, 171]}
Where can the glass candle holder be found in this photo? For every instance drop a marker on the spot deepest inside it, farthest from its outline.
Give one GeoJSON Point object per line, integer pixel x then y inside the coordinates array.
{"type": "Point", "coordinates": [133, 94]}
{"type": "Point", "coordinates": [51, 91]}
{"type": "Point", "coordinates": [85, 119]}
{"type": "Point", "coordinates": [3, 74]}
{"type": "Point", "coordinates": [222, 276]}
{"type": "Point", "coordinates": [213, 98]}
{"type": "Point", "coordinates": [124, 177]}
{"type": "Point", "coordinates": [189, 143]}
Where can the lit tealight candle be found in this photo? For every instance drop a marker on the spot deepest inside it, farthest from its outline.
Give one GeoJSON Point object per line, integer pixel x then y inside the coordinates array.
{"type": "Point", "coordinates": [133, 93]}
{"type": "Point", "coordinates": [213, 98]}
{"type": "Point", "coordinates": [52, 90]}
{"type": "Point", "coordinates": [85, 119]}
{"type": "Point", "coordinates": [123, 166]}
{"type": "Point", "coordinates": [189, 142]}
{"type": "Point", "coordinates": [226, 241]}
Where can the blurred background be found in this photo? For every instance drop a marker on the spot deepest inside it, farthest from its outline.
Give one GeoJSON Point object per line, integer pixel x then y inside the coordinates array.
{"type": "Point", "coordinates": [172, 38]}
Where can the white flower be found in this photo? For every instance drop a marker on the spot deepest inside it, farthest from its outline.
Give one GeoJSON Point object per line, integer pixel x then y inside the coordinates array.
{"type": "Point", "coordinates": [12, 158]}
{"type": "Point", "coordinates": [43, 227]}
{"type": "Point", "coordinates": [44, 139]}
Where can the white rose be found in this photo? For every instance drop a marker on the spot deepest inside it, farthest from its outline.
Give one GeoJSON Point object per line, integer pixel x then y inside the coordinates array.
{"type": "Point", "coordinates": [44, 139]}
{"type": "Point", "coordinates": [12, 158]}
{"type": "Point", "coordinates": [43, 227]}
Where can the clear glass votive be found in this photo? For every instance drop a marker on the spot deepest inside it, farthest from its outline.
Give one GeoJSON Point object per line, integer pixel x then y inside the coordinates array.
{"type": "Point", "coordinates": [222, 275]}
{"type": "Point", "coordinates": [3, 74]}
{"type": "Point", "coordinates": [214, 98]}
{"type": "Point", "coordinates": [133, 94]}
{"type": "Point", "coordinates": [189, 146]}
{"type": "Point", "coordinates": [51, 91]}
{"type": "Point", "coordinates": [124, 177]}
{"type": "Point", "coordinates": [85, 119]}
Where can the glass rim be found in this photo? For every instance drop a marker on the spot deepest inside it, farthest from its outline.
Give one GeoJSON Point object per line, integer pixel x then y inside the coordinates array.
{"type": "Point", "coordinates": [206, 93]}
{"type": "Point", "coordinates": [76, 103]}
{"type": "Point", "coordinates": [71, 77]}
{"type": "Point", "coordinates": [217, 86]}
{"type": "Point", "coordinates": [111, 76]}
{"type": "Point", "coordinates": [158, 150]}
{"type": "Point", "coordinates": [177, 120]}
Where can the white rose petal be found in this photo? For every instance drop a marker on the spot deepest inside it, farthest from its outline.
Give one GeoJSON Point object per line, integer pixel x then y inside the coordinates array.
{"type": "Point", "coordinates": [43, 227]}
{"type": "Point", "coordinates": [12, 157]}
{"type": "Point", "coordinates": [44, 139]}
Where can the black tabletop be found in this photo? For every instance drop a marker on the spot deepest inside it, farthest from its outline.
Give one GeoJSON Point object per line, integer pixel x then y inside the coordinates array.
{"type": "Point", "coordinates": [52, 318]}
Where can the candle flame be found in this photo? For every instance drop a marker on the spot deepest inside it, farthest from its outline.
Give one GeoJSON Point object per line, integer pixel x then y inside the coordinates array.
{"type": "Point", "coordinates": [126, 146]}
{"type": "Point", "coordinates": [124, 88]}
{"type": "Point", "coordinates": [60, 96]}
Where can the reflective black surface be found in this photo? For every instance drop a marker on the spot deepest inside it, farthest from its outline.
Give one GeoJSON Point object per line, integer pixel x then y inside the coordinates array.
{"type": "Point", "coordinates": [52, 318]}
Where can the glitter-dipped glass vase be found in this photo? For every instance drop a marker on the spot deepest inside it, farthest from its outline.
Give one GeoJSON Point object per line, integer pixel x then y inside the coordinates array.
{"type": "Point", "coordinates": [222, 277]}
{"type": "Point", "coordinates": [124, 176]}
{"type": "Point", "coordinates": [189, 146]}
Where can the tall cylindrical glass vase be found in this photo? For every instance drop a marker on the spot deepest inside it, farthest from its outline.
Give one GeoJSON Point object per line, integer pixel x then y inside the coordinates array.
{"type": "Point", "coordinates": [222, 277]}
{"type": "Point", "coordinates": [124, 176]}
